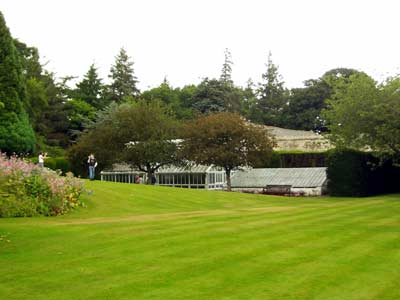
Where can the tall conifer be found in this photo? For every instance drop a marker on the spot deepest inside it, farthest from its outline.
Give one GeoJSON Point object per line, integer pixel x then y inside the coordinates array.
{"type": "Point", "coordinates": [16, 133]}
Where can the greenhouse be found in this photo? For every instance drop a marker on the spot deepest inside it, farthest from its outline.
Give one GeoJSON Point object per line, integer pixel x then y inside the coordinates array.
{"type": "Point", "coordinates": [196, 176]}
{"type": "Point", "coordinates": [285, 181]}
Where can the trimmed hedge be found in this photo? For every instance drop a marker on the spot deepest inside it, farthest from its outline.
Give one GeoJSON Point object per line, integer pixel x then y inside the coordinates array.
{"type": "Point", "coordinates": [359, 174]}
{"type": "Point", "coordinates": [295, 159]}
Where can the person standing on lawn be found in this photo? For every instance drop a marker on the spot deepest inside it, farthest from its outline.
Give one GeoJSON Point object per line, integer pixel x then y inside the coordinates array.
{"type": "Point", "coordinates": [41, 158]}
{"type": "Point", "coordinates": [92, 166]}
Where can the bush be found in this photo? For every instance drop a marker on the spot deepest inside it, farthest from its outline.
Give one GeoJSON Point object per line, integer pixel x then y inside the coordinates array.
{"type": "Point", "coordinates": [55, 163]}
{"type": "Point", "coordinates": [16, 133]}
{"type": "Point", "coordinates": [25, 190]}
{"type": "Point", "coordinates": [356, 173]}
{"type": "Point", "coordinates": [295, 159]}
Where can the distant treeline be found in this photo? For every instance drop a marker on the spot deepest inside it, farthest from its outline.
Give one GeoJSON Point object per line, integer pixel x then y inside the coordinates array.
{"type": "Point", "coordinates": [41, 112]}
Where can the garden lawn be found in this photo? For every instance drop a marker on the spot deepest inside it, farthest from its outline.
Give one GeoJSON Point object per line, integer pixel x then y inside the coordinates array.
{"type": "Point", "coordinates": [145, 242]}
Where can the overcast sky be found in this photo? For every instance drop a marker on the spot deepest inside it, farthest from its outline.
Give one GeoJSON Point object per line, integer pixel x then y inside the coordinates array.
{"type": "Point", "coordinates": [185, 39]}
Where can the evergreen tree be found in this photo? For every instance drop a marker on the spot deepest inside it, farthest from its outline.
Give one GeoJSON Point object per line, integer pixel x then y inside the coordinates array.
{"type": "Point", "coordinates": [123, 79]}
{"type": "Point", "coordinates": [226, 74]}
{"type": "Point", "coordinates": [55, 124]}
{"type": "Point", "coordinates": [249, 99]}
{"type": "Point", "coordinates": [271, 95]}
{"type": "Point", "coordinates": [209, 97]}
{"type": "Point", "coordinates": [36, 98]}
{"type": "Point", "coordinates": [90, 88]}
{"type": "Point", "coordinates": [16, 133]}
{"type": "Point", "coordinates": [305, 105]}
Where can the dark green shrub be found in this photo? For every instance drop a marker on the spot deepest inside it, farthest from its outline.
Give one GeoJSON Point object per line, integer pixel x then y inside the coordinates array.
{"type": "Point", "coordinates": [356, 173]}
{"type": "Point", "coordinates": [295, 159]}
{"type": "Point", "coordinates": [55, 163]}
{"type": "Point", "coordinates": [61, 163]}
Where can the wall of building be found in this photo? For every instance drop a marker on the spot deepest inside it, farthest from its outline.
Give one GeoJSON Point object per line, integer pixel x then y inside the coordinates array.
{"type": "Point", "coordinates": [316, 191]}
{"type": "Point", "coordinates": [303, 144]}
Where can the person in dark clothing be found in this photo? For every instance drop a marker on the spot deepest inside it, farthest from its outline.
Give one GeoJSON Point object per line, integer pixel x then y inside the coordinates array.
{"type": "Point", "coordinates": [92, 166]}
{"type": "Point", "coordinates": [153, 179]}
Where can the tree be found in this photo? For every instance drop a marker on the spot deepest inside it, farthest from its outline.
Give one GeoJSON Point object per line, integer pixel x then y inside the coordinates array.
{"type": "Point", "coordinates": [45, 103]}
{"type": "Point", "coordinates": [305, 104]}
{"type": "Point", "coordinates": [226, 140]}
{"type": "Point", "coordinates": [29, 59]}
{"type": "Point", "coordinates": [209, 97]}
{"type": "Point", "coordinates": [364, 115]}
{"type": "Point", "coordinates": [249, 102]}
{"type": "Point", "coordinates": [16, 133]}
{"type": "Point", "coordinates": [140, 134]}
{"type": "Point", "coordinates": [90, 88]}
{"type": "Point", "coordinates": [213, 95]}
{"type": "Point", "coordinates": [271, 95]}
{"type": "Point", "coordinates": [123, 79]}
{"type": "Point", "coordinates": [54, 125]}
{"type": "Point", "coordinates": [164, 92]}
{"type": "Point", "coordinates": [80, 113]}
{"type": "Point", "coordinates": [36, 99]}
{"type": "Point", "coordinates": [342, 74]}
{"type": "Point", "coordinates": [226, 74]}
{"type": "Point", "coordinates": [173, 97]}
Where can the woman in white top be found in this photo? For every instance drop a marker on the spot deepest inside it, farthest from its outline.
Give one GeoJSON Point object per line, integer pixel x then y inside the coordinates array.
{"type": "Point", "coordinates": [41, 160]}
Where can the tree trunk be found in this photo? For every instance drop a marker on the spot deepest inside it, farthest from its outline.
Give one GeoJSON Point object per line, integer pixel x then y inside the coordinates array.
{"type": "Point", "coordinates": [228, 180]}
{"type": "Point", "coordinates": [149, 176]}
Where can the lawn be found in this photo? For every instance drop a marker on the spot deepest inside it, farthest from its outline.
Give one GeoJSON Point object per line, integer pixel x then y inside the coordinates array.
{"type": "Point", "coordinates": [145, 242]}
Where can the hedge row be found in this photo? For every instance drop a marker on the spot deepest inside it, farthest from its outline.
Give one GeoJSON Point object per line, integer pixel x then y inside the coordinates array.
{"type": "Point", "coordinates": [355, 173]}
{"type": "Point", "coordinates": [281, 159]}
{"type": "Point", "coordinates": [55, 163]}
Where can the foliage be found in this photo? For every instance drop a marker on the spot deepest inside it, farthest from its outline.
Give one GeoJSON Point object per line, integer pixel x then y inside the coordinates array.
{"type": "Point", "coordinates": [364, 115]}
{"type": "Point", "coordinates": [296, 159]}
{"type": "Point", "coordinates": [141, 134]}
{"type": "Point", "coordinates": [25, 190]}
{"type": "Point", "coordinates": [305, 104]}
{"type": "Point", "coordinates": [54, 125]}
{"type": "Point", "coordinates": [249, 101]}
{"type": "Point", "coordinates": [177, 99]}
{"type": "Point", "coordinates": [16, 133]}
{"type": "Point", "coordinates": [59, 164]}
{"type": "Point", "coordinates": [45, 100]}
{"type": "Point", "coordinates": [226, 73]}
{"type": "Point", "coordinates": [80, 113]}
{"type": "Point", "coordinates": [272, 97]}
{"type": "Point", "coordinates": [213, 96]}
{"type": "Point", "coordinates": [36, 100]}
{"type": "Point", "coordinates": [226, 140]}
{"type": "Point", "coordinates": [90, 89]}
{"type": "Point", "coordinates": [356, 173]}
{"type": "Point", "coordinates": [123, 79]}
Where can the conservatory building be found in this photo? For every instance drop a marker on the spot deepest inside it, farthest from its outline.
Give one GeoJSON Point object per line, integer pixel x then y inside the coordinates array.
{"type": "Point", "coordinates": [195, 177]}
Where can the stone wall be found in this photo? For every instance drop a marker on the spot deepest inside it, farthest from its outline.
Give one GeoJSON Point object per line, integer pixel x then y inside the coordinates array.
{"type": "Point", "coordinates": [299, 140]}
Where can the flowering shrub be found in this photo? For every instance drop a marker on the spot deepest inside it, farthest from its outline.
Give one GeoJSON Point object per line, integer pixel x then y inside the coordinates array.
{"type": "Point", "coordinates": [26, 190]}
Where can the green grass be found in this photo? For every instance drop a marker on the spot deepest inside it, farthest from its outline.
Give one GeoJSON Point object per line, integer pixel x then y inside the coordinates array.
{"type": "Point", "coordinates": [145, 242]}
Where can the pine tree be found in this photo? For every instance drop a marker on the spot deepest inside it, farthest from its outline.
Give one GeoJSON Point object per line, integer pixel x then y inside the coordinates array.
{"type": "Point", "coordinates": [123, 79]}
{"type": "Point", "coordinates": [271, 94]}
{"type": "Point", "coordinates": [90, 88]}
{"type": "Point", "coordinates": [226, 74]}
{"type": "Point", "coordinates": [231, 95]}
{"type": "Point", "coordinates": [16, 133]}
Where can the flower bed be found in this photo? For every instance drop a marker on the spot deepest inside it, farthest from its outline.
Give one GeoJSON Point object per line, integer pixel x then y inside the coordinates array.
{"type": "Point", "coordinates": [26, 190]}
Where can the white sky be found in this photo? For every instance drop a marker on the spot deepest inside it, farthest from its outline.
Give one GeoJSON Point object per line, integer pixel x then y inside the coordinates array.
{"type": "Point", "coordinates": [185, 39]}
